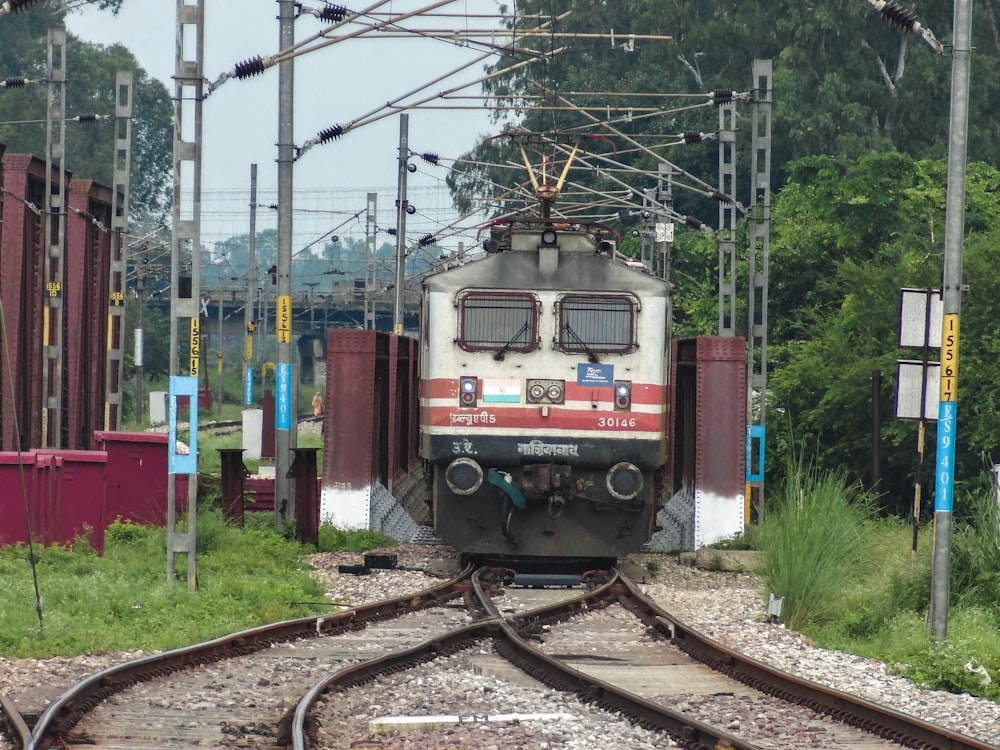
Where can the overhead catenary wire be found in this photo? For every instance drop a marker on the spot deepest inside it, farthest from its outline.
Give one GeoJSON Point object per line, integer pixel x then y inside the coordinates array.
{"type": "Point", "coordinates": [393, 105]}
{"type": "Point", "coordinates": [20, 464]}
{"type": "Point", "coordinates": [646, 150]}
{"type": "Point", "coordinates": [667, 210]}
{"type": "Point", "coordinates": [259, 64]}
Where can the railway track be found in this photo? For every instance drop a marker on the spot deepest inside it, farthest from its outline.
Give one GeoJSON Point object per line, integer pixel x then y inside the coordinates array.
{"type": "Point", "coordinates": [312, 682]}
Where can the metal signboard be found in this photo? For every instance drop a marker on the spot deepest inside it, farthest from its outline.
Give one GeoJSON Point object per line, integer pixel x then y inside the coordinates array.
{"type": "Point", "coordinates": [283, 403]}
{"type": "Point", "coordinates": [916, 385]}
{"type": "Point", "coordinates": [182, 385]}
{"type": "Point", "coordinates": [248, 387]}
{"type": "Point", "coordinates": [920, 315]}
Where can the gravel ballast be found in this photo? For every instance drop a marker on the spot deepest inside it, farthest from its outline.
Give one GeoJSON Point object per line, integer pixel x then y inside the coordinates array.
{"type": "Point", "coordinates": [725, 606]}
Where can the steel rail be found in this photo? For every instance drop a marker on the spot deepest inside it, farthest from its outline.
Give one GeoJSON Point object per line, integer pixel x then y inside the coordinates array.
{"type": "Point", "coordinates": [63, 713]}
{"type": "Point", "coordinates": [849, 709]}
{"type": "Point", "coordinates": [445, 644]}
{"type": "Point", "coordinates": [16, 724]}
{"type": "Point", "coordinates": [689, 733]}
{"type": "Point", "coordinates": [509, 643]}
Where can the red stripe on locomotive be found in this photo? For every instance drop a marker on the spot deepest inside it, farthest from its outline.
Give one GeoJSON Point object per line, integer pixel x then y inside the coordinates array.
{"type": "Point", "coordinates": [642, 393]}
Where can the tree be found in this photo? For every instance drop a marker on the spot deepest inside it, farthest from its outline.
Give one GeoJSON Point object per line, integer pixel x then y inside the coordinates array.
{"type": "Point", "coordinates": [848, 235]}
{"type": "Point", "coordinates": [90, 89]}
{"type": "Point", "coordinates": [845, 82]}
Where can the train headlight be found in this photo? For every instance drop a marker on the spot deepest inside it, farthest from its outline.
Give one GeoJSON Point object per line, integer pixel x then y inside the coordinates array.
{"type": "Point", "coordinates": [545, 391]}
{"type": "Point", "coordinates": [624, 481]}
{"type": "Point", "coordinates": [463, 476]}
{"type": "Point", "coordinates": [467, 390]}
{"type": "Point", "coordinates": [623, 395]}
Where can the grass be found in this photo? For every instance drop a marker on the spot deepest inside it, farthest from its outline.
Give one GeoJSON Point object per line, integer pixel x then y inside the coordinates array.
{"type": "Point", "coordinates": [854, 584]}
{"type": "Point", "coordinates": [814, 540]}
{"type": "Point", "coordinates": [123, 601]}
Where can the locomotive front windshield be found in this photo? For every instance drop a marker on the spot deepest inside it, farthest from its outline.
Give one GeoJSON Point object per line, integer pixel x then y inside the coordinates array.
{"type": "Point", "coordinates": [498, 321]}
{"type": "Point", "coordinates": [596, 323]}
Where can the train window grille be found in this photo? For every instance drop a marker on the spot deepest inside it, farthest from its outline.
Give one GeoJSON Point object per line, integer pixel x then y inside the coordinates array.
{"type": "Point", "coordinates": [589, 324]}
{"type": "Point", "coordinates": [498, 321]}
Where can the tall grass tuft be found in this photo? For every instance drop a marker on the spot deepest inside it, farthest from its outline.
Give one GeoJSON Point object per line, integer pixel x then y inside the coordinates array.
{"type": "Point", "coordinates": [812, 541]}
{"type": "Point", "coordinates": [976, 552]}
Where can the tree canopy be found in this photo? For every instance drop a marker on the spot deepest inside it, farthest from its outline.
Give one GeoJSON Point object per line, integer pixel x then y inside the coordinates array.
{"type": "Point", "coordinates": [846, 83]}
{"type": "Point", "coordinates": [849, 234]}
{"type": "Point", "coordinates": [90, 89]}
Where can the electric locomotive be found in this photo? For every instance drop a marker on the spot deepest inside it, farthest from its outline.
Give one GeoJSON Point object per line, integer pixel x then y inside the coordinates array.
{"type": "Point", "coordinates": [543, 403]}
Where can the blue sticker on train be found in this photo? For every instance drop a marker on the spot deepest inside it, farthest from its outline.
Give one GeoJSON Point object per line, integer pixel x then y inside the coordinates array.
{"type": "Point", "coordinates": [591, 374]}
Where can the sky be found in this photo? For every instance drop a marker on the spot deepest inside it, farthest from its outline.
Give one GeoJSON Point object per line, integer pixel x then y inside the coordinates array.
{"type": "Point", "coordinates": [336, 84]}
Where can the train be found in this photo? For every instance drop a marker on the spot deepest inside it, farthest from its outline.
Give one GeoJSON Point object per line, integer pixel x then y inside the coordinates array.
{"type": "Point", "coordinates": [544, 373]}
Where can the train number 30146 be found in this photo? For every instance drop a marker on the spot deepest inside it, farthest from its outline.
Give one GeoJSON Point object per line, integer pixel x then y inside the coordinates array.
{"type": "Point", "coordinates": [616, 421]}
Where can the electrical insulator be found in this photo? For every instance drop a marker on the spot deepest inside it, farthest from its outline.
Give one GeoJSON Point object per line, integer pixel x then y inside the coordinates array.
{"type": "Point", "coordinates": [331, 133]}
{"type": "Point", "coordinates": [722, 96]}
{"type": "Point", "coordinates": [13, 6]}
{"type": "Point", "coordinates": [17, 82]}
{"type": "Point", "coordinates": [430, 157]}
{"type": "Point", "coordinates": [90, 117]}
{"type": "Point", "coordinates": [722, 198]}
{"type": "Point", "coordinates": [693, 223]}
{"type": "Point", "coordinates": [251, 67]}
{"type": "Point", "coordinates": [391, 232]}
{"type": "Point", "coordinates": [690, 138]}
{"type": "Point", "coordinates": [333, 13]}
{"type": "Point", "coordinates": [899, 16]}
{"type": "Point", "coordinates": [427, 239]}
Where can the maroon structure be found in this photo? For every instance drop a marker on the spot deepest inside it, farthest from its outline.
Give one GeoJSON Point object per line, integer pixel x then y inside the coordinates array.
{"type": "Point", "coordinates": [70, 493]}
{"type": "Point", "coordinates": [708, 429]}
{"type": "Point", "coordinates": [86, 269]}
{"type": "Point", "coordinates": [370, 426]}
{"type": "Point", "coordinates": [22, 282]}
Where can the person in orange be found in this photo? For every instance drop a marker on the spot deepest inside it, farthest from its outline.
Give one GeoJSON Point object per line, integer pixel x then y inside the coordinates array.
{"type": "Point", "coordinates": [317, 404]}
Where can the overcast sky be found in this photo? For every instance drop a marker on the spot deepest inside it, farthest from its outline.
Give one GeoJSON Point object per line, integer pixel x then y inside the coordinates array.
{"type": "Point", "coordinates": [333, 85]}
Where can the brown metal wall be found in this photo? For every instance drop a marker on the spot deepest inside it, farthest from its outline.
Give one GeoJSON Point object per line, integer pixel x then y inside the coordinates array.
{"type": "Point", "coordinates": [350, 429]}
{"type": "Point", "coordinates": [70, 493]}
{"type": "Point", "coordinates": [22, 255]}
{"type": "Point", "coordinates": [88, 253]}
{"type": "Point", "coordinates": [709, 426]}
{"type": "Point", "coordinates": [84, 297]}
{"type": "Point", "coordinates": [370, 422]}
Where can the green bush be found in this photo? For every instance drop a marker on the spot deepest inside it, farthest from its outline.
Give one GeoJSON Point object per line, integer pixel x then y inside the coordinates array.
{"type": "Point", "coordinates": [958, 664]}
{"type": "Point", "coordinates": [334, 540]}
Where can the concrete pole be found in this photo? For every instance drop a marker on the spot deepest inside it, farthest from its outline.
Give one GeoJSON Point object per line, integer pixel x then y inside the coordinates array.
{"type": "Point", "coordinates": [401, 206]}
{"type": "Point", "coordinates": [954, 229]}
{"type": "Point", "coordinates": [285, 409]}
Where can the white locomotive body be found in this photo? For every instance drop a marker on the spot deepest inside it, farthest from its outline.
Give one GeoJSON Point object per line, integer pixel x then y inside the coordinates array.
{"type": "Point", "coordinates": [543, 403]}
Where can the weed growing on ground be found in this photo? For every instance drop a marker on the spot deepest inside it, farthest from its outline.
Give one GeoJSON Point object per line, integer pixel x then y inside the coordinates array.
{"type": "Point", "coordinates": [123, 600]}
